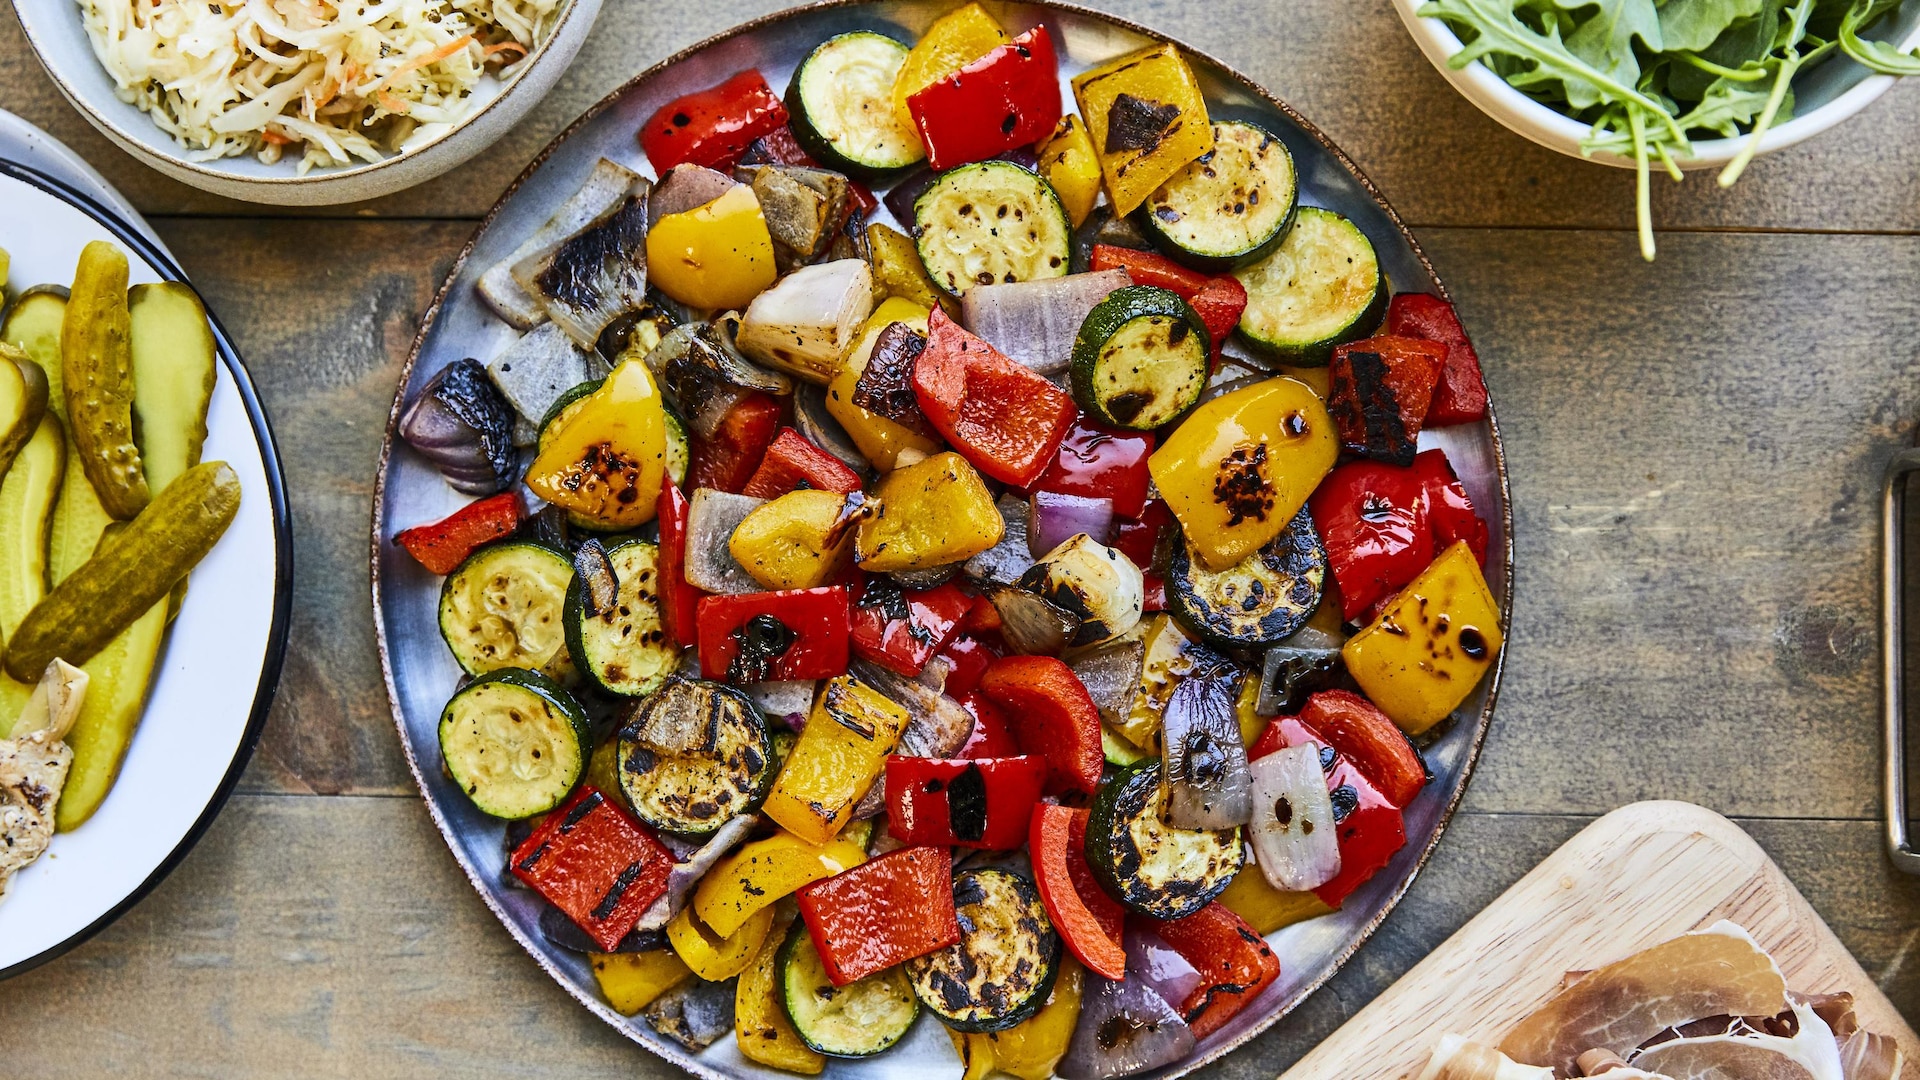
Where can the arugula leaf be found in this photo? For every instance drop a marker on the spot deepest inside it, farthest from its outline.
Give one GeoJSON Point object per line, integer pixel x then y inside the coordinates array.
{"type": "Point", "coordinates": [1498, 30]}
{"type": "Point", "coordinates": [1692, 25]}
{"type": "Point", "coordinates": [1876, 56]}
{"type": "Point", "coordinates": [1605, 39]}
{"type": "Point", "coordinates": [1729, 105]}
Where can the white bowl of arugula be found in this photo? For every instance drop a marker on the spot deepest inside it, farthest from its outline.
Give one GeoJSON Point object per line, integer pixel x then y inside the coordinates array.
{"type": "Point", "coordinates": [1673, 85]}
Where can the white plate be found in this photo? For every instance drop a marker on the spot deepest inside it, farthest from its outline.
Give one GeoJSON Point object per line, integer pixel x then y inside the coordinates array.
{"type": "Point", "coordinates": [222, 658]}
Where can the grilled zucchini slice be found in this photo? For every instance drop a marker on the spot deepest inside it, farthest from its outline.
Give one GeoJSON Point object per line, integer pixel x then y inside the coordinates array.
{"type": "Point", "coordinates": [695, 755]}
{"type": "Point", "coordinates": [990, 223]}
{"type": "Point", "coordinates": [841, 105]}
{"type": "Point", "coordinates": [515, 742]}
{"type": "Point", "coordinates": [624, 649]}
{"type": "Point", "coordinates": [1148, 865]}
{"type": "Point", "coordinates": [1140, 360]}
{"type": "Point", "coordinates": [505, 607]}
{"type": "Point", "coordinates": [1230, 208]}
{"type": "Point", "coordinates": [1265, 598]}
{"type": "Point", "coordinates": [1321, 288]}
{"type": "Point", "coordinates": [1002, 968]}
{"type": "Point", "coordinates": [859, 1019]}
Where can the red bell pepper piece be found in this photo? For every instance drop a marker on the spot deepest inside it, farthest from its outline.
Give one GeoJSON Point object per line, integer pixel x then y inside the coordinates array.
{"type": "Point", "coordinates": [883, 912]}
{"type": "Point", "coordinates": [1217, 300]}
{"type": "Point", "coordinates": [984, 618]}
{"type": "Point", "coordinates": [901, 630]}
{"type": "Point", "coordinates": [1381, 389]}
{"type": "Point", "coordinates": [1137, 538]}
{"type": "Point", "coordinates": [1219, 303]}
{"type": "Point", "coordinates": [1370, 828]}
{"type": "Point", "coordinates": [1450, 512]}
{"type": "Point", "coordinates": [1088, 920]}
{"type": "Point", "coordinates": [963, 802]}
{"type": "Point", "coordinates": [1372, 519]}
{"type": "Point", "coordinates": [792, 461]}
{"type": "Point", "coordinates": [1155, 598]}
{"type": "Point", "coordinates": [992, 733]}
{"type": "Point", "coordinates": [597, 864]}
{"type": "Point", "coordinates": [1234, 962]}
{"type": "Point", "coordinates": [1461, 397]}
{"type": "Point", "coordinates": [729, 459]}
{"type": "Point", "coordinates": [1363, 735]}
{"type": "Point", "coordinates": [712, 127]}
{"type": "Point", "coordinates": [1009, 97]}
{"type": "Point", "coordinates": [679, 601]}
{"type": "Point", "coordinates": [446, 543]}
{"type": "Point", "coordinates": [1057, 717]}
{"type": "Point", "coordinates": [803, 635]}
{"type": "Point", "coordinates": [1101, 463]}
{"type": "Point", "coordinates": [1004, 418]}
{"type": "Point", "coordinates": [967, 659]}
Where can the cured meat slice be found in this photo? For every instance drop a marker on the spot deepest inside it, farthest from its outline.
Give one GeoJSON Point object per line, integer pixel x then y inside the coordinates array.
{"type": "Point", "coordinates": [1458, 1058]}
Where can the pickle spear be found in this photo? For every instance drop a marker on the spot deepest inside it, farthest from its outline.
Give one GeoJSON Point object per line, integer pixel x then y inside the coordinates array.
{"type": "Point", "coordinates": [174, 367]}
{"type": "Point", "coordinates": [129, 574]}
{"type": "Point", "coordinates": [23, 401]}
{"type": "Point", "coordinates": [26, 511]}
{"type": "Point", "coordinates": [97, 379]}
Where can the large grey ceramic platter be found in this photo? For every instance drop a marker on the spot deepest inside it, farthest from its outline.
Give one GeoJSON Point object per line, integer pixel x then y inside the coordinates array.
{"type": "Point", "coordinates": [421, 674]}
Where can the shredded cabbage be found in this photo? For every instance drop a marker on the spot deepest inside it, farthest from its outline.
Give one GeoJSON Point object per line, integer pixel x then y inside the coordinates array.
{"type": "Point", "coordinates": [333, 80]}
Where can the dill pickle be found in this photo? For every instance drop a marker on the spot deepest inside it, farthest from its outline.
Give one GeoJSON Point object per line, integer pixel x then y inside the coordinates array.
{"type": "Point", "coordinates": [130, 573]}
{"type": "Point", "coordinates": [97, 378]}
{"type": "Point", "coordinates": [23, 401]}
{"type": "Point", "coordinates": [27, 493]}
{"type": "Point", "coordinates": [174, 366]}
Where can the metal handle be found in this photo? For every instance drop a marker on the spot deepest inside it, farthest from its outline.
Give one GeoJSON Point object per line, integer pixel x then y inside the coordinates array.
{"type": "Point", "coordinates": [1892, 653]}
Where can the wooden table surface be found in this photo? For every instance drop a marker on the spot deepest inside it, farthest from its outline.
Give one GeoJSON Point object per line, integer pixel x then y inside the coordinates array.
{"type": "Point", "coordinates": [1694, 445]}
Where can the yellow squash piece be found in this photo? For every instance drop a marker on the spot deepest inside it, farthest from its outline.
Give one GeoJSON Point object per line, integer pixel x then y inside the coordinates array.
{"type": "Point", "coordinates": [879, 439]}
{"type": "Point", "coordinates": [800, 540]}
{"type": "Point", "coordinates": [1266, 908]}
{"type": "Point", "coordinates": [98, 380]}
{"type": "Point", "coordinates": [955, 40]}
{"type": "Point", "coordinates": [760, 1024]}
{"type": "Point", "coordinates": [762, 872]}
{"type": "Point", "coordinates": [1146, 118]}
{"type": "Point", "coordinates": [899, 273]}
{"type": "Point", "coordinates": [631, 981]}
{"type": "Point", "coordinates": [719, 255]}
{"type": "Point", "coordinates": [711, 956]}
{"type": "Point", "coordinates": [1069, 162]}
{"type": "Point", "coordinates": [26, 512]}
{"type": "Point", "coordinates": [605, 465]}
{"type": "Point", "coordinates": [1239, 467]}
{"type": "Point", "coordinates": [935, 512]}
{"type": "Point", "coordinates": [841, 752]}
{"type": "Point", "coordinates": [1031, 1048]}
{"type": "Point", "coordinates": [1427, 651]}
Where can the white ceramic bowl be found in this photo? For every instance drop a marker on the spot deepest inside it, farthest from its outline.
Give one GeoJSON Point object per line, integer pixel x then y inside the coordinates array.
{"type": "Point", "coordinates": [1825, 94]}
{"type": "Point", "coordinates": [54, 29]}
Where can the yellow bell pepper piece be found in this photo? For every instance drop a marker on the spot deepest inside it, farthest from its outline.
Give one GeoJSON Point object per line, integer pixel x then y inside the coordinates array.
{"type": "Point", "coordinates": [762, 872]}
{"type": "Point", "coordinates": [715, 256]}
{"type": "Point", "coordinates": [1146, 117]}
{"type": "Point", "coordinates": [879, 439]}
{"type": "Point", "coordinates": [1168, 658]}
{"type": "Point", "coordinates": [1031, 1048]}
{"type": "Point", "coordinates": [1239, 467]}
{"type": "Point", "coordinates": [798, 541]}
{"type": "Point", "coordinates": [955, 40]}
{"type": "Point", "coordinates": [760, 1024]}
{"type": "Point", "coordinates": [1069, 162]}
{"type": "Point", "coordinates": [1427, 651]}
{"type": "Point", "coordinates": [931, 513]}
{"type": "Point", "coordinates": [631, 981]}
{"type": "Point", "coordinates": [605, 464]}
{"type": "Point", "coordinates": [1266, 908]}
{"type": "Point", "coordinates": [841, 752]}
{"type": "Point", "coordinates": [898, 272]}
{"type": "Point", "coordinates": [1245, 709]}
{"type": "Point", "coordinates": [711, 956]}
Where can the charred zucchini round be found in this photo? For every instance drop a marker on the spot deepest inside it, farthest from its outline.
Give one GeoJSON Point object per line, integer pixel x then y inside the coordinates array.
{"type": "Point", "coordinates": [1140, 360]}
{"type": "Point", "coordinates": [990, 223]}
{"type": "Point", "coordinates": [1002, 968]}
{"type": "Point", "coordinates": [1266, 597]}
{"type": "Point", "coordinates": [1231, 207]}
{"type": "Point", "coordinates": [1321, 288]}
{"type": "Point", "coordinates": [623, 649]}
{"type": "Point", "coordinates": [841, 106]}
{"type": "Point", "coordinates": [515, 742]}
{"type": "Point", "coordinates": [504, 607]}
{"type": "Point", "coordinates": [859, 1019]}
{"type": "Point", "coordinates": [1148, 865]}
{"type": "Point", "coordinates": [695, 755]}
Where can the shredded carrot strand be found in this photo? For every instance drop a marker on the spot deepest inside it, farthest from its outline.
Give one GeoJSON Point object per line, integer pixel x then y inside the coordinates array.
{"type": "Point", "coordinates": [516, 46]}
{"type": "Point", "coordinates": [393, 104]}
{"type": "Point", "coordinates": [277, 139]}
{"type": "Point", "coordinates": [433, 57]}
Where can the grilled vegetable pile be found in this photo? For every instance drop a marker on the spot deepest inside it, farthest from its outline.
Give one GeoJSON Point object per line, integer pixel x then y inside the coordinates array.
{"type": "Point", "coordinates": [900, 620]}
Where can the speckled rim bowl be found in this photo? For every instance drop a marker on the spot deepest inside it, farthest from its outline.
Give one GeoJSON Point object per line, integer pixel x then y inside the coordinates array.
{"type": "Point", "coordinates": [58, 38]}
{"type": "Point", "coordinates": [1826, 93]}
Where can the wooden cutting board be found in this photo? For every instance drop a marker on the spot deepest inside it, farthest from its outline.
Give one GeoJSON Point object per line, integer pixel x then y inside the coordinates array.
{"type": "Point", "coordinates": [1636, 877]}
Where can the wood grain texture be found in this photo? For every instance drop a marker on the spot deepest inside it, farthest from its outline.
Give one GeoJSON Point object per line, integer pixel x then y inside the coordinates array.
{"type": "Point", "coordinates": [1642, 875]}
{"type": "Point", "coordinates": [1349, 67]}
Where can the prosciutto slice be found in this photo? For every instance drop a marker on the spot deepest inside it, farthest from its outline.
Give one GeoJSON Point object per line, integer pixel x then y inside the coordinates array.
{"type": "Point", "coordinates": [1458, 1058]}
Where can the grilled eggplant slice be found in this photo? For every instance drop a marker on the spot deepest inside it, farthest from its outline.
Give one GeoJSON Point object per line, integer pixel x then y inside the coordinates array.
{"type": "Point", "coordinates": [859, 1019]}
{"type": "Point", "coordinates": [594, 276]}
{"type": "Point", "coordinates": [1002, 968]}
{"type": "Point", "coordinates": [1264, 598]}
{"type": "Point", "coordinates": [605, 191]}
{"type": "Point", "coordinates": [1148, 865]}
{"type": "Point", "coordinates": [694, 756]}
